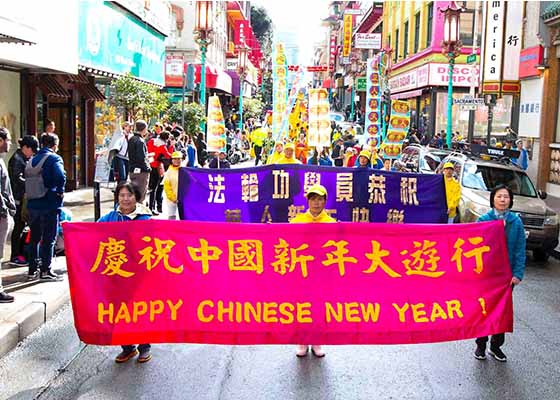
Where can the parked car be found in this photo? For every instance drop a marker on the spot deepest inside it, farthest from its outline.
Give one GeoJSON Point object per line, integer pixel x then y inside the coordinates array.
{"type": "Point", "coordinates": [421, 159]}
{"type": "Point", "coordinates": [477, 178]}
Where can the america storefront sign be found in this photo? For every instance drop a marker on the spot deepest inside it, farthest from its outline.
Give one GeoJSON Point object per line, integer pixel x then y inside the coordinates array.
{"type": "Point", "coordinates": [275, 193]}
{"type": "Point", "coordinates": [464, 75]}
{"type": "Point", "coordinates": [399, 124]}
{"type": "Point", "coordinates": [404, 81]}
{"type": "Point", "coordinates": [319, 133]}
{"type": "Point", "coordinates": [367, 41]}
{"type": "Point", "coordinates": [347, 43]}
{"type": "Point", "coordinates": [216, 126]}
{"type": "Point", "coordinates": [163, 281]}
{"type": "Point", "coordinates": [373, 101]}
{"type": "Point", "coordinates": [512, 42]}
{"type": "Point", "coordinates": [494, 11]}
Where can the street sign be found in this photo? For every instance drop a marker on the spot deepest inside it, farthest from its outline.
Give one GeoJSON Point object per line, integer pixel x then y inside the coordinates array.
{"type": "Point", "coordinates": [469, 101]}
{"type": "Point", "coordinates": [471, 58]}
{"type": "Point", "coordinates": [361, 84]}
{"type": "Point", "coordinates": [367, 41]}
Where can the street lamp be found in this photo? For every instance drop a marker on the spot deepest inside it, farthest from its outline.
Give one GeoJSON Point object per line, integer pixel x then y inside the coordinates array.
{"type": "Point", "coordinates": [242, 51]}
{"type": "Point", "coordinates": [451, 47]}
{"type": "Point", "coordinates": [203, 37]}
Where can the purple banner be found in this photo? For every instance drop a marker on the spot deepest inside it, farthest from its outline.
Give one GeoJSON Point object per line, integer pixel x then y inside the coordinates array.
{"type": "Point", "coordinates": [275, 193]}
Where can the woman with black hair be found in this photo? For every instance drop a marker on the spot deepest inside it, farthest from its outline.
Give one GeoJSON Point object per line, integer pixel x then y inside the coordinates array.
{"type": "Point", "coordinates": [129, 208]}
{"type": "Point", "coordinates": [501, 201]}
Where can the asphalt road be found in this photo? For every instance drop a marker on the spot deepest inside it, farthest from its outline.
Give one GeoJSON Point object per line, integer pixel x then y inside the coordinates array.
{"type": "Point", "coordinates": [52, 364]}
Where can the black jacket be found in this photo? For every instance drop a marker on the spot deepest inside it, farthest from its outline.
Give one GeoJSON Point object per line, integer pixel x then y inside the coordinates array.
{"type": "Point", "coordinates": [16, 169]}
{"type": "Point", "coordinates": [137, 154]}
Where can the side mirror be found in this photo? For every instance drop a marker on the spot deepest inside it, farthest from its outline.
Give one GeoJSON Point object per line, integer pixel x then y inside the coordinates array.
{"type": "Point", "coordinates": [542, 194]}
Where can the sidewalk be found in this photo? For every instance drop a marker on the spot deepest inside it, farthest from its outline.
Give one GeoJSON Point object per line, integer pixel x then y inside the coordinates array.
{"type": "Point", "coordinates": [554, 203]}
{"type": "Point", "coordinates": [36, 301]}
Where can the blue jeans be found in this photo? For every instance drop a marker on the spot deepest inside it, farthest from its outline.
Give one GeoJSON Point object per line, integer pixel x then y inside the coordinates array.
{"type": "Point", "coordinates": [44, 226]}
{"type": "Point", "coordinates": [121, 169]}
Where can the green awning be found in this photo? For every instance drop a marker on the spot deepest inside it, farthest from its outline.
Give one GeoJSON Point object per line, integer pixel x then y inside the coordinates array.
{"type": "Point", "coordinates": [551, 11]}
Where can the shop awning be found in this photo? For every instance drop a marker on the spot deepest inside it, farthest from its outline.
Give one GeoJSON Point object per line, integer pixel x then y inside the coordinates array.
{"type": "Point", "coordinates": [407, 95]}
{"type": "Point", "coordinates": [90, 92]}
{"type": "Point", "coordinates": [234, 82]}
{"type": "Point", "coordinates": [12, 31]}
{"type": "Point", "coordinates": [50, 87]}
{"type": "Point", "coordinates": [216, 78]}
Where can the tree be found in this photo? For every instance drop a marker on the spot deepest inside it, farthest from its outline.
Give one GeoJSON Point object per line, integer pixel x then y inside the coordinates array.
{"type": "Point", "coordinates": [139, 99]}
{"type": "Point", "coordinates": [263, 30]}
{"type": "Point", "coordinates": [194, 116]}
{"type": "Point", "coordinates": [252, 108]}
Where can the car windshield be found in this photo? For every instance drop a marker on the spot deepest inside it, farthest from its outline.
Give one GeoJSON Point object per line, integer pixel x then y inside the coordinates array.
{"type": "Point", "coordinates": [484, 177]}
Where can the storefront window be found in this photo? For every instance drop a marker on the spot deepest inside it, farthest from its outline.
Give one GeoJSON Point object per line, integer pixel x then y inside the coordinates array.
{"type": "Point", "coordinates": [502, 118]}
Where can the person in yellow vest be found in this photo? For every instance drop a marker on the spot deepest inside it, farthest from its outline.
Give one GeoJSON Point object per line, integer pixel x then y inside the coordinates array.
{"type": "Point", "coordinates": [316, 200]}
{"type": "Point", "coordinates": [257, 139]}
{"type": "Point", "coordinates": [277, 154]}
{"type": "Point", "coordinates": [171, 185]}
{"type": "Point", "coordinates": [288, 156]}
{"type": "Point", "coordinates": [452, 191]}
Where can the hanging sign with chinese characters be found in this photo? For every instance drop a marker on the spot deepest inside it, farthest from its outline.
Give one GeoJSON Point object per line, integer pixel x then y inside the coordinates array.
{"type": "Point", "coordinates": [399, 124]}
{"type": "Point", "coordinates": [279, 90]}
{"type": "Point", "coordinates": [347, 41]}
{"type": "Point", "coordinates": [216, 125]}
{"type": "Point", "coordinates": [162, 281]}
{"type": "Point", "coordinates": [373, 101]}
{"type": "Point", "coordinates": [275, 193]}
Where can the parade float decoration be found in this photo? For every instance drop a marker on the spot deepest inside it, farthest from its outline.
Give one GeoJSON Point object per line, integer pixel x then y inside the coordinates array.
{"type": "Point", "coordinates": [319, 118]}
{"type": "Point", "coordinates": [216, 126]}
{"type": "Point", "coordinates": [399, 124]}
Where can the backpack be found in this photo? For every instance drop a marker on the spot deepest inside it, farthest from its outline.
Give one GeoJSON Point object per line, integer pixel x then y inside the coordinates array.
{"type": "Point", "coordinates": [34, 183]}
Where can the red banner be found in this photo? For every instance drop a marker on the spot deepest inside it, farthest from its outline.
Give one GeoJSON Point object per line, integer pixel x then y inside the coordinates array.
{"type": "Point", "coordinates": [343, 283]}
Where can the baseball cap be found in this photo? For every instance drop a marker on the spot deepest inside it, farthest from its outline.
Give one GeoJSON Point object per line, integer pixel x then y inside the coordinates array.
{"type": "Point", "coordinates": [177, 154]}
{"type": "Point", "coordinates": [448, 165]}
{"type": "Point", "coordinates": [289, 146]}
{"type": "Point", "coordinates": [317, 189]}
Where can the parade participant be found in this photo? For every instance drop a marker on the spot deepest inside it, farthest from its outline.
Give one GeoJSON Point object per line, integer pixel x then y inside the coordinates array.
{"type": "Point", "coordinates": [129, 208]}
{"type": "Point", "coordinates": [301, 148]}
{"type": "Point", "coordinates": [7, 205]}
{"type": "Point", "coordinates": [276, 154]}
{"type": "Point", "coordinates": [157, 146]}
{"type": "Point", "coordinates": [257, 138]}
{"type": "Point", "coordinates": [350, 157]}
{"type": "Point", "coordinates": [171, 184]}
{"type": "Point", "coordinates": [223, 162]}
{"type": "Point", "coordinates": [501, 201]}
{"type": "Point", "coordinates": [452, 191]}
{"type": "Point", "coordinates": [363, 160]}
{"type": "Point", "coordinates": [316, 201]}
{"type": "Point", "coordinates": [314, 159]}
{"type": "Point", "coordinates": [338, 153]}
{"type": "Point", "coordinates": [268, 146]}
{"type": "Point", "coordinates": [192, 154]}
{"type": "Point", "coordinates": [28, 146]}
{"type": "Point", "coordinates": [288, 156]}
{"type": "Point", "coordinates": [387, 165]}
{"type": "Point", "coordinates": [523, 160]}
{"type": "Point", "coordinates": [375, 160]}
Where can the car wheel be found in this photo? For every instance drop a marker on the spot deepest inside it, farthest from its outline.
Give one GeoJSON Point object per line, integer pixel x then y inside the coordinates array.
{"type": "Point", "coordinates": [540, 255]}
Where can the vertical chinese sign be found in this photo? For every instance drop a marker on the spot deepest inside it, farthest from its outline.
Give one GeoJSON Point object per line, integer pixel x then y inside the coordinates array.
{"type": "Point", "coordinates": [216, 126]}
{"type": "Point", "coordinates": [373, 102]}
{"type": "Point", "coordinates": [347, 44]}
{"type": "Point", "coordinates": [399, 123]}
{"type": "Point", "coordinates": [280, 91]}
{"type": "Point", "coordinates": [319, 122]}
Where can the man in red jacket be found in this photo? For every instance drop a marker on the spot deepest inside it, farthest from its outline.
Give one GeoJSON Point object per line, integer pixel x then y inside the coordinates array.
{"type": "Point", "coordinates": [157, 146]}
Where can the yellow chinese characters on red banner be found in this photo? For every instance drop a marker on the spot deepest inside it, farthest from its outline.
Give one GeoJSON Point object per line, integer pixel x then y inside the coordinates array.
{"type": "Point", "coordinates": [347, 43]}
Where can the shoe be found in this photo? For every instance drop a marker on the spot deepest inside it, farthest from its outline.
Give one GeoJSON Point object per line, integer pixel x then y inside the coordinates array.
{"type": "Point", "coordinates": [497, 354]}
{"type": "Point", "coordinates": [31, 276]}
{"type": "Point", "coordinates": [144, 356]}
{"type": "Point", "coordinates": [49, 276]}
{"type": "Point", "coordinates": [126, 355]}
{"type": "Point", "coordinates": [318, 351]}
{"type": "Point", "coordinates": [302, 350]}
{"type": "Point", "coordinates": [155, 212]}
{"type": "Point", "coordinates": [6, 298]}
{"type": "Point", "coordinates": [19, 261]}
{"type": "Point", "coordinates": [480, 353]}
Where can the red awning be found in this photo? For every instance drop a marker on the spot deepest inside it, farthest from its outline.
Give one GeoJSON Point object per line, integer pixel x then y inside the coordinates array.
{"type": "Point", "coordinates": [216, 78]}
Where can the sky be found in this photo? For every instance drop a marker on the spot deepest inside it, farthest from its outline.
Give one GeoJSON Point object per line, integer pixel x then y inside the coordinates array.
{"type": "Point", "coordinates": [303, 17]}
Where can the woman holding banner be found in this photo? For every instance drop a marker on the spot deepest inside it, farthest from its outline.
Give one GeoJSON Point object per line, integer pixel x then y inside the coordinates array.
{"type": "Point", "coordinates": [316, 201]}
{"type": "Point", "coordinates": [129, 209]}
{"type": "Point", "coordinates": [501, 201]}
